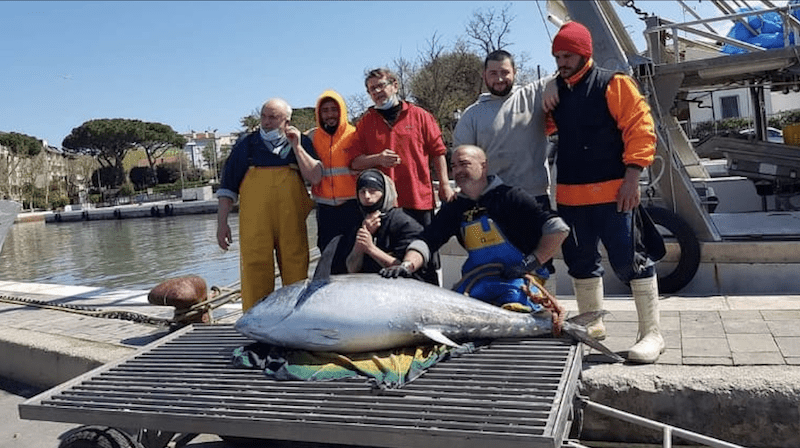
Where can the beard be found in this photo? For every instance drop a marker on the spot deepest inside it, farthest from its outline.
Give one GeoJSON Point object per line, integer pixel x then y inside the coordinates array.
{"type": "Point", "coordinates": [503, 92]}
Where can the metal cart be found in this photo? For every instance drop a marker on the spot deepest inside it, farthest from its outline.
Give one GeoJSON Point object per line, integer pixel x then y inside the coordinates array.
{"type": "Point", "coordinates": [510, 394]}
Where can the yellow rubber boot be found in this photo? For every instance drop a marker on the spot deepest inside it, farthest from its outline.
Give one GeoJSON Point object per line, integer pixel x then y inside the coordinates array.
{"type": "Point", "coordinates": [589, 295]}
{"type": "Point", "coordinates": [650, 344]}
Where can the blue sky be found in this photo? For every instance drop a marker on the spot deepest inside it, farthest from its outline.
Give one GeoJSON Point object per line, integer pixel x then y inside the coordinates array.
{"type": "Point", "coordinates": [204, 65]}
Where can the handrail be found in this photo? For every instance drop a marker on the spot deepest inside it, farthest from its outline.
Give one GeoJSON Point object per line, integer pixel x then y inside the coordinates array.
{"type": "Point", "coordinates": [667, 430]}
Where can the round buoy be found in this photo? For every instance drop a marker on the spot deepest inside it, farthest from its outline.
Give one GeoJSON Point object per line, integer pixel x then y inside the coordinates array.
{"type": "Point", "coordinates": [169, 210]}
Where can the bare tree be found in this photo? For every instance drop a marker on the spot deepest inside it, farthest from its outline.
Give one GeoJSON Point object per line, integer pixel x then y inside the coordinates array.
{"type": "Point", "coordinates": [405, 70]}
{"type": "Point", "coordinates": [357, 104]}
{"type": "Point", "coordinates": [489, 29]}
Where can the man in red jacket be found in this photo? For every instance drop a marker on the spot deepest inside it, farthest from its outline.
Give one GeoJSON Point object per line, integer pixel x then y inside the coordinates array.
{"type": "Point", "coordinates": [402, 140]}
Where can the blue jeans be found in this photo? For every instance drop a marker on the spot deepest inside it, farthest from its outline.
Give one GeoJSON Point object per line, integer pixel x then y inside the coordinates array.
{"type": "Point", "coordinates": [591, 224]}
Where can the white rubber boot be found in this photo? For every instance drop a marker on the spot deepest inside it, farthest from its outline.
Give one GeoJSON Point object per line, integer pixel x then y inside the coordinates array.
{"type": "Point", "coordinates": [589, 294]}
{"type": "Point", "coordinates": [650, 344]}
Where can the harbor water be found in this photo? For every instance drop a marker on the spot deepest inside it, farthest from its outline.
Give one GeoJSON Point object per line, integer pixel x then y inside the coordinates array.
{"type": "Point", "coordinates": [127, 253]}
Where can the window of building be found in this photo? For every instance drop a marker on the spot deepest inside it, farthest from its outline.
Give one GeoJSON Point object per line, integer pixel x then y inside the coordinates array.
{"type": "Point", "coordinates": [730, 106]}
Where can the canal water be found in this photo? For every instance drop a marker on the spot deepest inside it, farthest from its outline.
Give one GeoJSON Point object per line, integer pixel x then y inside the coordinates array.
{"type": "Point", "coordinates": [123, 254]}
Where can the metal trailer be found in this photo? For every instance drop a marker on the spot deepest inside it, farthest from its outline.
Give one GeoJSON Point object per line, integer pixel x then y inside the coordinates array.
{"type": "Point", "coordinates": [518, 393]}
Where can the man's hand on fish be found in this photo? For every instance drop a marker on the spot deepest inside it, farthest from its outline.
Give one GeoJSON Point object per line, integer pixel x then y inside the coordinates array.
{"type": "Point", "coordinates": [399, 270]}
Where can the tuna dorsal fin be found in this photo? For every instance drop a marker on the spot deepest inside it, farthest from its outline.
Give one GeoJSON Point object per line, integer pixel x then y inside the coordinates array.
{"type": "Point", "coordinates": [437, 336]}
{"type": "Point", "coordinates": [323, 270]}
{"type": "Point", "coordinates": [322, 273]}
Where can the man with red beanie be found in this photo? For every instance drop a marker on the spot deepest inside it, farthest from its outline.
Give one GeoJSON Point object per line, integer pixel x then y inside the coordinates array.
{"type": "Point", "coordinates": [606, 138]}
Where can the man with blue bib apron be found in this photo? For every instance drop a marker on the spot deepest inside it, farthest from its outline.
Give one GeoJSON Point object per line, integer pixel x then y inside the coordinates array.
{"type": "Point", "coordinates": [506, 233]}
{"type": "Point", "coordinates": [265, 172]}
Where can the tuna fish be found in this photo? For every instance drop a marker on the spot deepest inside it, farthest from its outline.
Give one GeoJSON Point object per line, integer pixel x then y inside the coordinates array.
{"type": "Point", "coordinates": [357, 313]}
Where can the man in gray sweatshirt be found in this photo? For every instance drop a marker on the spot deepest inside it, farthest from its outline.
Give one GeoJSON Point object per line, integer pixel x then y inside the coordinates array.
{"type": "Point", "coordinates": [508, 123]}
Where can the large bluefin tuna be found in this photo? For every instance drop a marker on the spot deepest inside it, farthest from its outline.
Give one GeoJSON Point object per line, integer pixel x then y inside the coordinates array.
{"type": "Point", "coordinates": [366, 312]}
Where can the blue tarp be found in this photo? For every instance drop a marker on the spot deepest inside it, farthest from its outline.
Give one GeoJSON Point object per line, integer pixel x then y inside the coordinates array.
{"type": "Point", "coordinates": [770, 28]}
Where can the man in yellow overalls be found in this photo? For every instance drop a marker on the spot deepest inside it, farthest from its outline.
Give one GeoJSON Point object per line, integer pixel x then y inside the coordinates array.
{"type": "Point", "coordinates": [265, 172]}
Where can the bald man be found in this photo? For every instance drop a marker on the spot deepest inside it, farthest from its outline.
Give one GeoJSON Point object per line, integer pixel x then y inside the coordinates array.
{"type": "Point", "coordinates": [265, 172]}
{"type": "Point", "coordinates": [505, 231]}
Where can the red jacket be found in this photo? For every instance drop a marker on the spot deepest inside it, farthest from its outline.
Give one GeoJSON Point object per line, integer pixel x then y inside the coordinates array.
{"type": "Point", "coordinates": [416, 138]}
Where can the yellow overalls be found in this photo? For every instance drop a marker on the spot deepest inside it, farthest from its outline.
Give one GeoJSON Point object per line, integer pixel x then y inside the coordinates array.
{"type": "Point", "coordinates": [273, 206]}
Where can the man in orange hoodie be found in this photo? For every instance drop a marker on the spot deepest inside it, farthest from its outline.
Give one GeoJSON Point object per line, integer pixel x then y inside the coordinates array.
{"type": "Point", "coordinates": [606, 138]}
{"type": "Point", "coordinates": [335, 194]}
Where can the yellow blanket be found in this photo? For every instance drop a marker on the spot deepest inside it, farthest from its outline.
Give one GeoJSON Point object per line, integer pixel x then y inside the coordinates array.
{"type": "Point", "coordinates": [388, 368]}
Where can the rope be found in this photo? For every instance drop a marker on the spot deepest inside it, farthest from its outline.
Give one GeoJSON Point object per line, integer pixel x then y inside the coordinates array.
{"type": "Point", "coordinates": [547, 300]}
{"type": "Point", "coordinates": [88, 311]}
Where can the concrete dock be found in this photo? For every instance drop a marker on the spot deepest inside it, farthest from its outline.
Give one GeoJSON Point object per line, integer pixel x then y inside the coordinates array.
{"type": "Point", "coordinates": [731, 369]}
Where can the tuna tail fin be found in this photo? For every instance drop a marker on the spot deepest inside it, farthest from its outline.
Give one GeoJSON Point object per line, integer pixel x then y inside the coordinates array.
{"type": "Point", "coordinates": [576, 328]}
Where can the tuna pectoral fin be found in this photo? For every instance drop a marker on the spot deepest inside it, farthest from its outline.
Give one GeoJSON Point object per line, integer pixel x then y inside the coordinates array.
{"type": "Point", "coordinates": [577, 330]}
{"type": "Point", "coordinates": [437, 336]}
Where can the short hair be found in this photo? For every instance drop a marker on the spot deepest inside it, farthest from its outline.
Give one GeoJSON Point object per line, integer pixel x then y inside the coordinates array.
{"type": "Point", "coordinates": [281, 102]}
{"type": "Point", "coordinates": [499, 56]}
{"type": "Point", "coordinates": [381, 72]}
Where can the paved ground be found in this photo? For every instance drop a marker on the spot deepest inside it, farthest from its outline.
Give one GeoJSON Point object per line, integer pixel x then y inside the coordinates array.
{"type": "Point", "coordinates": [42, 347]}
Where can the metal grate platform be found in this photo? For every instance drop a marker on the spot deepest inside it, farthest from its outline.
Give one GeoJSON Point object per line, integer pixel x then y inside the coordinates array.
{"type": "Point", "coordinates": [510, 394]}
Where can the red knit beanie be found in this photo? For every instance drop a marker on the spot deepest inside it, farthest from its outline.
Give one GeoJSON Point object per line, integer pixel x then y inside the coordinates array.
{"type": "Point", "coordinates": [575, 38]}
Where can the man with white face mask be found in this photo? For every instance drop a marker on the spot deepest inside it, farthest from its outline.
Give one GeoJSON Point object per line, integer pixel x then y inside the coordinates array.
{"type": "Point", "coordinates": [402, 140]}
{"type": "Point", "coordinates": [265, 172]}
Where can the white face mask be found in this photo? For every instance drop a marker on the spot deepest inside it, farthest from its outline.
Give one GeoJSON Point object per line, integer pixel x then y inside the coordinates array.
{"type": "Point", "coordinates": [276, 142]}
{"type": "Point", "coordinates": [389, 103]}
{"type": "Point", "coordinates": [273, 135]}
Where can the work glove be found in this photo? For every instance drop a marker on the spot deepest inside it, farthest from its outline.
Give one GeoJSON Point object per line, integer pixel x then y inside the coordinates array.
{"type": "Point", "coordinates": [399, 270]}
{"type": "Point", "coordinates": [528, 264]}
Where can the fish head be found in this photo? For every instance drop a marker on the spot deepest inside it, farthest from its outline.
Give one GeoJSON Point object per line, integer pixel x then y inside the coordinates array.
{"type": "Point", "coordinates": [270, 312]}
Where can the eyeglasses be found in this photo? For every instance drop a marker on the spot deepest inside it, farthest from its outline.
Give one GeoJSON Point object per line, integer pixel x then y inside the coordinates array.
{"type": "Point", "coordinates": [379, 86]}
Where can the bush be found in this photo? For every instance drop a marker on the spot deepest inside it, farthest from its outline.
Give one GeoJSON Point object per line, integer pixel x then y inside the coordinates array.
{"type": "Point", "coordinates": [58, 202]}
{"type": "Point", "coordinates": [126, 189]}
{"type": "Point", "coordinates": [142, 177]}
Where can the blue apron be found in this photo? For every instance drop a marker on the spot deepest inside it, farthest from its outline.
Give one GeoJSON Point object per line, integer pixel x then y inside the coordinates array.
{"type": "Point", "coordinates": [488, 253]}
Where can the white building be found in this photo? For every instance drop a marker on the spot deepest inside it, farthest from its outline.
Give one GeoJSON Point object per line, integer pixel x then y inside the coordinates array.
{"type": "Point", "coordinates": [198, 142]}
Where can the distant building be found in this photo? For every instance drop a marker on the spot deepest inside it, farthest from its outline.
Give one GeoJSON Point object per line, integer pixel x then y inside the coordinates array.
{"type": "Point", "coordinates": [198, 142]}
{"type": "Point", "coordinates": [738, 103]}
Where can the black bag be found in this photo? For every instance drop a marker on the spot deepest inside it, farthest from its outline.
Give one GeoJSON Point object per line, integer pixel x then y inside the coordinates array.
{"type": "Point", "coordinates": [647, 238]}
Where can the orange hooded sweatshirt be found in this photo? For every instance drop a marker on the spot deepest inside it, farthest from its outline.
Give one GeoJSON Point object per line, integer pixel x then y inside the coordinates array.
{"type": "Point", "coordinates": [338, 180]}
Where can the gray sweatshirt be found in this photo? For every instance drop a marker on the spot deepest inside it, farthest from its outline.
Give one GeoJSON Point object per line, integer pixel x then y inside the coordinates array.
{"type": "Point", "coordinates": [511, 131]}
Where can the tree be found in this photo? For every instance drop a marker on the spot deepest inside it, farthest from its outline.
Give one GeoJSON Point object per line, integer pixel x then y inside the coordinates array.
{"type": "Point", "coordinates": [448, 81]}
{"type": "Point", "coordinates": [251, 122]}
{"type": "Point", "coordinates": [21, 144]}
{"type": "Point", "coordinates": [156, 139]}
{"type": "Point", "coordinates": [108, 140]}
{"type": "Point", "coordinates": [488, 28]}
{"type": "Point", "coordinates": [20, 147]}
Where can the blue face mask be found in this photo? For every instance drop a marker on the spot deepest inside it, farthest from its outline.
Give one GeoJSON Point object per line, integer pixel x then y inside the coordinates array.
{"type": "Point", "coordinates": [389, 103]}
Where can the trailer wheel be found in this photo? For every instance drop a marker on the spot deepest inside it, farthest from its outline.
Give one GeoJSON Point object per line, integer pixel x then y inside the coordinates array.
{"type": "Point", "coordinates": [99, 437]}
{"type": "Point", "coordinates": [674, 229]}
